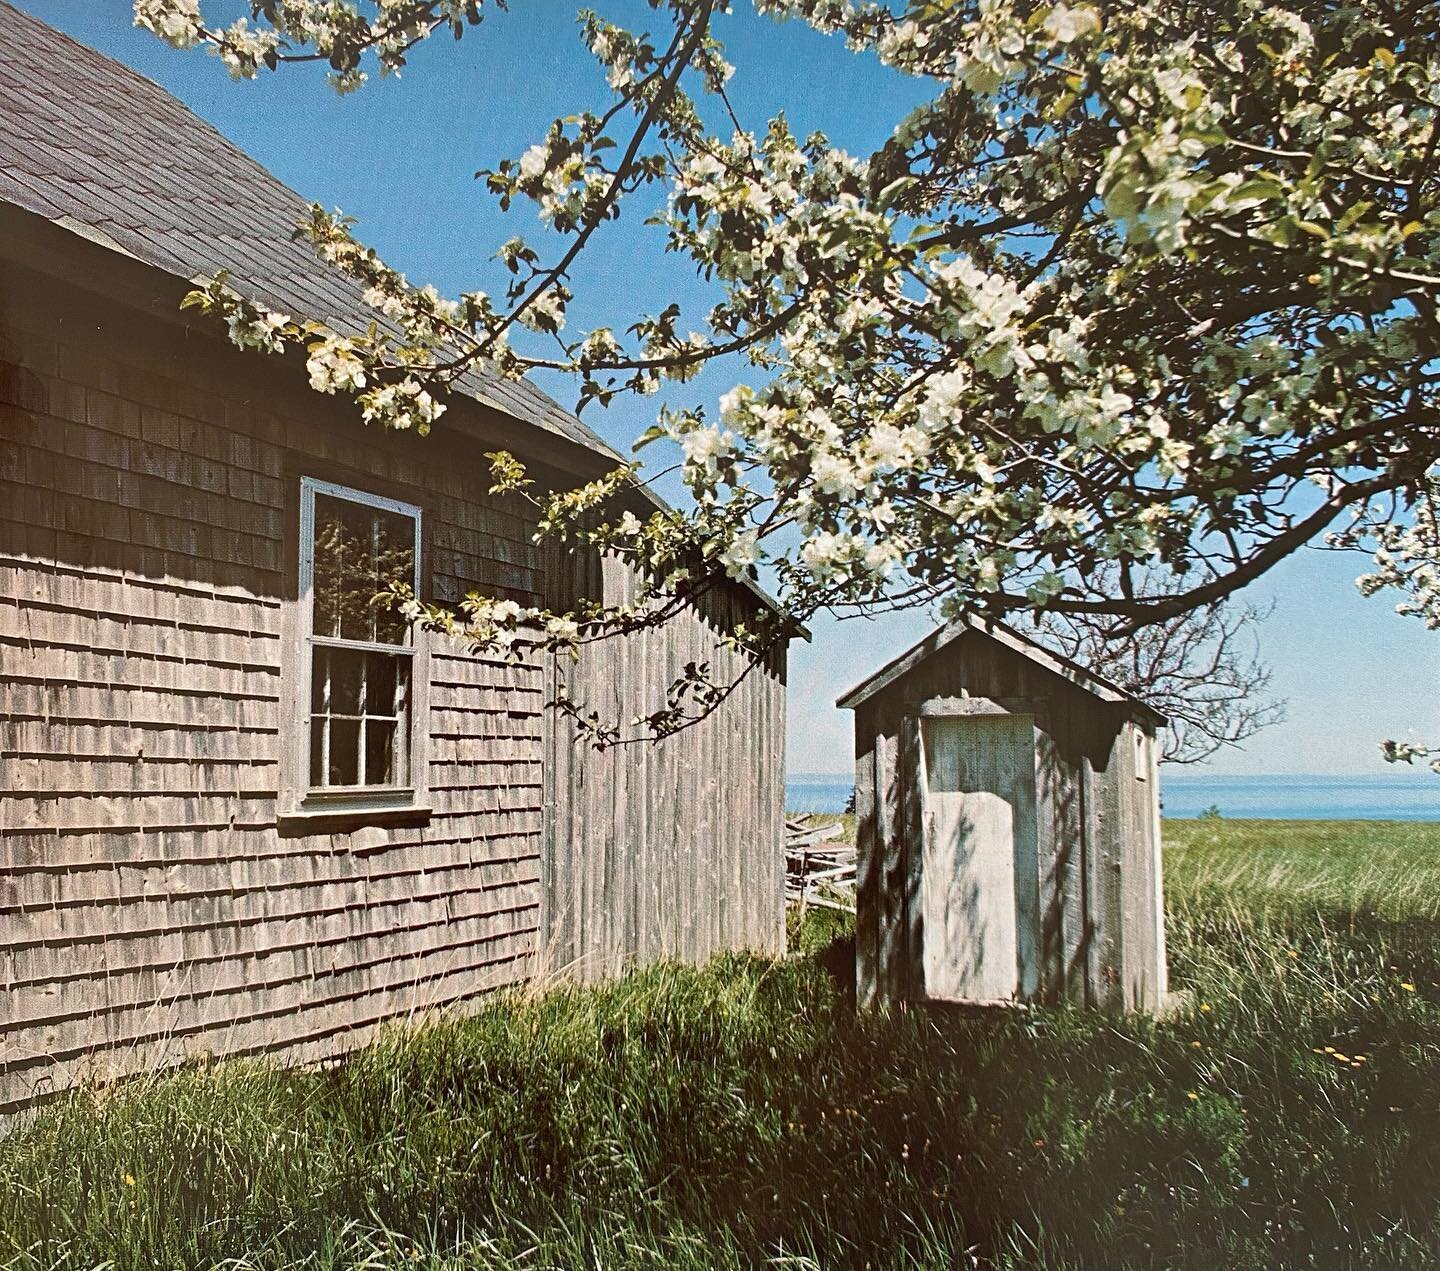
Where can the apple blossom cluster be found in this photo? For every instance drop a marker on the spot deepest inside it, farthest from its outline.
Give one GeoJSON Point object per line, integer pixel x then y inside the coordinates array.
{"type": "Point", "coordinates": [391, 391]}
{"type": "Point", "coordinates": [1129, 291]}
{"type": "Point", "coordinates": [1406, 552]}
{"type": "Point", "coordinates": [1408, 752]}
{"type": "Point", "coordinates": [338, 32]}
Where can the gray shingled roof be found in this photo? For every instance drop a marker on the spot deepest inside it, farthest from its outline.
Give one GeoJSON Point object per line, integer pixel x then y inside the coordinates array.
{"type": "Point", "coordinates": [88, 142]}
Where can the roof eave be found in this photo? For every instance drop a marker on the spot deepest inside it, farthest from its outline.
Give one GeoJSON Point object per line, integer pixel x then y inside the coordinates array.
{"type": "Point", "coordinates": [83, 256]}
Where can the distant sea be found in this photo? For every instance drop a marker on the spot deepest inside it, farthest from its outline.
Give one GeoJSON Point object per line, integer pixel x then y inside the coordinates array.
{"type": "Point", "coordinates": [1398, 796]}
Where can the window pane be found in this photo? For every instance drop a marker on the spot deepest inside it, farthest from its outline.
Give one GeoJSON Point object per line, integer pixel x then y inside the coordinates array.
{"type": "Point", "coordinates": [334, 751]}
{"type": "Point", "coordinates": [344, 758]}
{"type": "Point", "coordinates": [342, 567]}
{"type": "Point", "coordinates": [318, 725]}
{"type": "Point", "coordinates": [381, 674]}
{"type": "Point", "coordinates": [359, 552]}
{"type": "Point", "coordinates": [348, 685]}
{"type": "Point", "coordinates": [337, 681]}
{"type": "Point", "coordinates": [379, 752]}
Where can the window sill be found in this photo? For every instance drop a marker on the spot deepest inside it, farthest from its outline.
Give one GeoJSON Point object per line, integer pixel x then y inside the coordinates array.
{"type": "Point", "coordinates": [342, 818]}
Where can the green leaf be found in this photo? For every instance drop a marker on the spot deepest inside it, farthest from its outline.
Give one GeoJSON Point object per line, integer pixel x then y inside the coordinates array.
{"type": "Point", "coordinates": [1352, 214]}
{"type": "Point", "coordinates": [892, 192]}
{"type": "Point", "coordinates": [1265, 189]}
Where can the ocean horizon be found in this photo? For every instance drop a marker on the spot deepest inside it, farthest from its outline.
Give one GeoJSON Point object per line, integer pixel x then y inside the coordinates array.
{"type": "Point", "coordinates": [1386, 796]}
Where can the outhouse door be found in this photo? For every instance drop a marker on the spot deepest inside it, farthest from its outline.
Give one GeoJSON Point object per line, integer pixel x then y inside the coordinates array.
{"type": "Point", "coordinates": [978, 799]}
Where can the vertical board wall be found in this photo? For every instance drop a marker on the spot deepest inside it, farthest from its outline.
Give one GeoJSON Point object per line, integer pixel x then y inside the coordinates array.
{"type": "Point", "coordinates": [674, 849]}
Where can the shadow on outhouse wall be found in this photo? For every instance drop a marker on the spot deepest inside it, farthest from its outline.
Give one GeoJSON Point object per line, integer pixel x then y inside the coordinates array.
{"type": "Point", "coordinates": [1007, 829]}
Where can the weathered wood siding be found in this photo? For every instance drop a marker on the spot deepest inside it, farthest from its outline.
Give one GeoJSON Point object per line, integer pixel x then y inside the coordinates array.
{"type": "Point", "coordinates": [151, 904]}
{"type": "Point", "coordinates": [673, 849]}
{"type": "Point", "coordinates": [1098, 864]}
{"type": "Point", "coordinates": [1144, 961]}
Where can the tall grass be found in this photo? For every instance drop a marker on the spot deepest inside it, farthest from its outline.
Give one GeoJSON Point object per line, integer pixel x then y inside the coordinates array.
{"type": "Point", "coordinates": [741, 1115]}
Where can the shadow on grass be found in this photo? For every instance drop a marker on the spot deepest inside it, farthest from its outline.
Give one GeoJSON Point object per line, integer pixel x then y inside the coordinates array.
{"type": "Point", "coordinates": [740, 1113]}
{"type": "Point", "coordinates": [837, 960]}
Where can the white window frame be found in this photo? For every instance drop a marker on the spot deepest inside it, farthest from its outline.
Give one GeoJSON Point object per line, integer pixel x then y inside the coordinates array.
{"type": "Point", "coordinates": [301, 797]}
{"type": "Point", "coordinates": [1144, 753]}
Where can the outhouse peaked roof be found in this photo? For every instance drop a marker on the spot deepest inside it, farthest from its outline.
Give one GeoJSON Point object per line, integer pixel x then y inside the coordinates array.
{"type": "Point", "coordinates": [100, 150]}
{"type": "Point", "coordinates": [1096, 685]}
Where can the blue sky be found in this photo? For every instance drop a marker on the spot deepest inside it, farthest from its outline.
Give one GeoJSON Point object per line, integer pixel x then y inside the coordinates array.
{"type": "Point", "coordinates": [401, 156]}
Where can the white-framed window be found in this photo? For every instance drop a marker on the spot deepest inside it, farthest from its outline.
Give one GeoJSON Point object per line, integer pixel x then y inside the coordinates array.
{"type": "Point", "coordinates": [359, 669]}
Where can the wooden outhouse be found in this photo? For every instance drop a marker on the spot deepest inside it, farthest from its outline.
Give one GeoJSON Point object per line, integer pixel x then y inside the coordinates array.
{"type": "Point", "coordinates": [241, 810]}
{"type": "Point", "coordinates": [1008, 829]}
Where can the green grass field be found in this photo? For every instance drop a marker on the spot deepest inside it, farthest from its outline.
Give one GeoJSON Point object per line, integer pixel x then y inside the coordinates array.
{"type": "Point", "coordinates": [741, 1116]}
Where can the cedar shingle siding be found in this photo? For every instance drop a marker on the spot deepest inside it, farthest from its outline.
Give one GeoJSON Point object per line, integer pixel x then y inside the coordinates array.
{"type": "Point", "coordinates": [153, 904]}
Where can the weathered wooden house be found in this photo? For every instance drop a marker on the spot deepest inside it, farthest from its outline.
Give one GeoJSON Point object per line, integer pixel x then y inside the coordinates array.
{"type": "Point", "coordinates": [1008, 829]}
{"type": "Point", "coordinates": [242, 810]}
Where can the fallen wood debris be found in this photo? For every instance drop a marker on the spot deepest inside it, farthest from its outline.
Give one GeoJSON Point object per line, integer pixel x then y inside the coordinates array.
{"type": "Point", "coordinates": [819, 868]}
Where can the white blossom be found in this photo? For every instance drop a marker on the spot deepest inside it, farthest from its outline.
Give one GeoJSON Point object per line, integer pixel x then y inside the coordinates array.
{"type": "Point", "coordinates": [252, 329]}
{"type": "Point", "coordinates": [534, 162]}
{"type": "Point", "coordinates": [741, 554]}
{"type": "Point", "coordinates": [1065, 23]}
{"type": "Point", "coordinates": [177, 22]}
{"type": "Point", "coordinates": [546, 312]}
{"type": "Point", "coordinates": [563, 630]}
{"type": "Point", "coordinates": [404, 405]}
{"type": "Point", "coordinates": [334, 365]}
{"type": "Point", "coordinates": [244, 51]}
